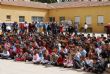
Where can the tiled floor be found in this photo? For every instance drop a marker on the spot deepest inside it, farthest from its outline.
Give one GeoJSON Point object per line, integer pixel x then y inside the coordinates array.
{"type": "Point", "coordinates": [11, 67]}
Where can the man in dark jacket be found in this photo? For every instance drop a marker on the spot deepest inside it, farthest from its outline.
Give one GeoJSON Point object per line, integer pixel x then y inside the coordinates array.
{"type": "Point", "coordinates": [70, 29]}
{"type": "Point", "coordinates": [3, 27]}
{"type": "Point", "coordinates": [15, 27]}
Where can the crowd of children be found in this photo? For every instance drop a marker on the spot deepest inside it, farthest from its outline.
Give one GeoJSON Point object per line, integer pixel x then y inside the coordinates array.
{"type": "Point", "coordinates": [49, 44]}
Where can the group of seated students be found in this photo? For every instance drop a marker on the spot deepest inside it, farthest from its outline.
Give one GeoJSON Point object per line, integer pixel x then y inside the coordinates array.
{"type": "Point", "coordinates": [89, 53]}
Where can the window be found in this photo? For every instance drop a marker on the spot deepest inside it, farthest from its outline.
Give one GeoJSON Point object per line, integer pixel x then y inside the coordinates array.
{"type": "Point", "coordinates": [8, 17]}
{"type": "Point", "coordinates": [77, 19]}
{"type": "Point", "coordinates": [100, 19]}
{"type": "Point", "coordinates": [37, 18]}
{"type": "Point", "coordinates": [40, 19]}
{"type": "Point", "coordinates": [62, 18]}
{"type": "Point", "coordinates": [21, 18]}
{"type": "Point", "coordinates": [52, 19]}
{"type": "Point", "coordinates": [34, 18]}
{"type": "Point", "coordinates": [88, 20]}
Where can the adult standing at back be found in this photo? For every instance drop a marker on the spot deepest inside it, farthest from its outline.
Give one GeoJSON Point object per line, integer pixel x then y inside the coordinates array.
{"type": "Point", "coordinates": [85, 27]}
{"type": "Point", "coordinates": [61, 28]}
{"type": "Point", "coordinates": [4, 27]}
{"type": "Point", "coordinates": [22, 28]}
{"type": "Point", "coordinates": [26, 25]}
{"type": "Point", "coordinates": [76, 28]}
{"type": "Point", "coordinates": [15, 27]}
{"type": "Point", "coordinates": [48, 29]}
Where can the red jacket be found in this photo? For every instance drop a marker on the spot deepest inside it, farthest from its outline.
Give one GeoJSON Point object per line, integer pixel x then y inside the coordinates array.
{"type": "Point", "coordinates": [60, 60]}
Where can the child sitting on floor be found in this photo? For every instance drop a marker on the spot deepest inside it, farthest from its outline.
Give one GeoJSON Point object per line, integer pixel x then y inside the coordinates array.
{"type": "Point", "coordinates": [46, 59]}
{"type": "Point", "coordinates": [5, 54]}
{"type": "Point", "coordinates": [68, 62]}
{"type": "Point", "coordinates": [21, 56]}
{"type": "Point", "coordinates": [88, 64]}
{"type": "Point", "coordinates": [60, 61]}
{"type": "Point", "coordinates": [36, 57]}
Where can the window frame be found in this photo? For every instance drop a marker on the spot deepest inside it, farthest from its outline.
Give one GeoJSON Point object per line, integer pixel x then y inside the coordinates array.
{"type": "Point", "coordinates": [37, 18]}
{"type": "Point", "coordinates": [23, 17]}
{"type": "Point", "coordinates": [90, 20]}
{"type": "Point", "coordinates": [62, 18]}
{"type": "Point", "coordinates": [76, 19]}
{"type": "Point", "coordinates": [52, 19]}
{"type": "Point", "coordinates": [8, 17]}
{"type": "Point", "coordinates": [101, 22]}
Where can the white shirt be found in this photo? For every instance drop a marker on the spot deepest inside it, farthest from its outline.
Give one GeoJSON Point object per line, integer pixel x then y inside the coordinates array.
{"type": "Point", "coordinates": [89, 62]}
{"type": "Point", "coordinates": [59, 46]}
{"type": "Point", "coordinates": [85, 26]}
{"type": "Point", "coordinates": [77, 56]}
{"type": "Point", "coordinates": [8, 27]}
{"type": "Point", "coordinates": [6, 53]}
{"type": "Point", "coordinates": [98, 51]}
{"type": "Point", "coordinates": [36, 58]}
{"type": "Point", "coordinates": [26, 25]}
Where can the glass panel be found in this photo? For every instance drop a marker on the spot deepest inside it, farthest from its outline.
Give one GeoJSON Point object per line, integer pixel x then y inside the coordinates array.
{"type": "Point", "coordinates": [62, 18]}
{"type": "Point", "coordinates": [77, 19]}
{"type": "Point", "coordinates": [52, 19]}
{"type": "Point", "coordinates": [37, 19]}
{"type": "Point", "coordinates": [21, 19]}
{"type": "Point", "coordinates": [88, 20]}
{"type": "Point", "coordinates": [100, 19]}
